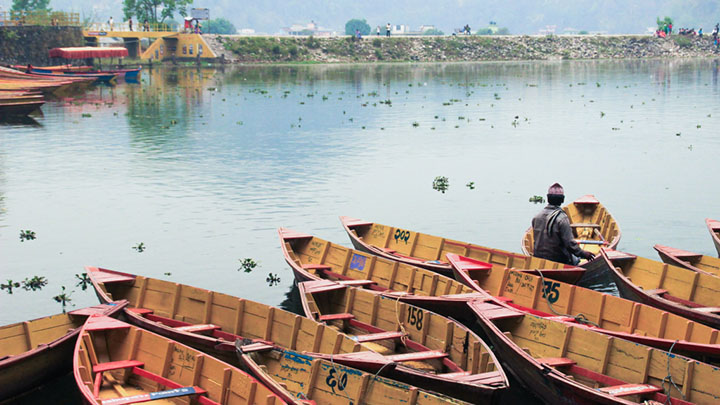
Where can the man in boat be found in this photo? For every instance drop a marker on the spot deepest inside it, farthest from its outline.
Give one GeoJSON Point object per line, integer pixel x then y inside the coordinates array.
{"type": "Point", "coordinates": [552, 233]}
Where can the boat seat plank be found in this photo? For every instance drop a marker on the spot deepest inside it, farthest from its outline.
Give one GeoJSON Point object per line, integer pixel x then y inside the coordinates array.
{"type": "Point", "coordinates": [417, 356]}
{"type": "Point", "coordinates": [105, 277]}
{"type": "Point", "coordinates": [256, 347]}
{"type": "Point", "coordinates": [455, 375]}
{"type": "Point", "coordinates": [630, 389]}
{"type": "Point", "coordinates": [357, 222]}
{"type": "Point", "coordinates": [557, 361]}
{"type": "Point", "coordinates": [489, 378]}
{"type": "Point", "coordinates": [197, 328]}
{"type": "Point", "coordinates": [561, 318]}
{"type": "Point", "coordinates": [336, 317]}
{"type": "Point", "coordinates": [657, 291]}
{"type": "Point", "coordinates": [315, 266]}
{"type": "Point", "coordinates": [356, 283]}
{"type": "Point", "coordinates": [319, 286]}
{"type": "Point", "coordinates": [708, 310]}
{"type": "Point", "coordinates": [615, 255]}
{"type": "Point", "coordinates": [152, 396]}
{"type": "Point", "coordinates": [96, 309]}
{"type": "Point", "coordinates": [116, 365]}
{"type": "Point", "coordinates": [106, 324]}
{"type": "Point", "coordinates": [140, 311]}
{"type": "Point", "coordinates": [493, 311]}
{"type": "Point", "coordinates": [374, 337]}
{"type": "Point", "coordinates": [289, 235]}
{"type": "Point", "coordinates": [587, 199]}
{"type": "Point", "coordinates": [679, 253]}
{"type": "Point", "coordinates": [580, 225]}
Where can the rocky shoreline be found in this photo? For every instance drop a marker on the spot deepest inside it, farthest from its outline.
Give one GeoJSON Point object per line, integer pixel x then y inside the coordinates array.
{"type": "Point", "coordinates": [239, 49]}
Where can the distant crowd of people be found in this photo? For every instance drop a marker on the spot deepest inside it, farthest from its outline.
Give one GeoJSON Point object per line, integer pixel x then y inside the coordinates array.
{"type": "Point", "coordinates": [666, 30]}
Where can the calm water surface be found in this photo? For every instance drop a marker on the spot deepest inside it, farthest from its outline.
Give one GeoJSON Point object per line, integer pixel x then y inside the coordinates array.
{"type": "Point", "coordinates": [203, 166]}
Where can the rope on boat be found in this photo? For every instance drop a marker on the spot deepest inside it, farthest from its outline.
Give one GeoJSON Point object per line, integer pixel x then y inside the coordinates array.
{"type": "Point", "coordinates": [579, 318]}
{"type": "Point", "coordinates": [337, 373]}
{"type": "Point", "coordinates": [404, 336]}
{"type": "Point", "coordinates": [669, 379]}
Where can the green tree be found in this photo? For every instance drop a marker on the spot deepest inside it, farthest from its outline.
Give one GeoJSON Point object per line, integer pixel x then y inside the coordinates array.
{"type": "Point", "coordinates": [220, 26]}
{"type": "Point", "coordinates": [357, 24]}
{"type": "Point", "coordinates": [30, 5]}
{"type": "Point", "coordinates": [154, 11]}
{"type": "Point", "coordinates": [664, 22]}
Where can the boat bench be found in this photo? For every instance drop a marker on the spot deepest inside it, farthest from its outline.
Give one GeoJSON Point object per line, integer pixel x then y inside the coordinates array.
{"type": "Point", "coordinates": [630, 389]}
{"type": "Point", "coordinates": [374, 337]}
{"type": "Point", "coordinates": [255, 347]}
{"type": "Point", "coordinates": [708, 310]}
{"type": "Point", "coordinates": [417, 356]}
{"type": "Point", "coordinates": [557, 361]}
{"type": "Point", "coordinates": [197, 328]}
{"type": "Point", "coordinates": [356, 283]}
{"type": "Point", "coordinates": [336, 317]}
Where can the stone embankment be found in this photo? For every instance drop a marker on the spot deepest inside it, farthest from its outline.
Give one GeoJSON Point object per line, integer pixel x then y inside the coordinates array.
{"type": "Point", "coordinates": [455, 49]}
{"type": "Point", "coordinates": [30, 44]}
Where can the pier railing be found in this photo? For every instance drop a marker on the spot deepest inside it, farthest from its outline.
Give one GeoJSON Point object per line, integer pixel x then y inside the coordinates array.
{"type": "Point", "coordinates": [39, 17]}
{"type": "Point", "coordinates": [136, 27]}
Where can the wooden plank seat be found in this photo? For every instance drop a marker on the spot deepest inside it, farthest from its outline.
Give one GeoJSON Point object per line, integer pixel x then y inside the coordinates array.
{"type": "Point", "coordinates": [140, 311]}
{"type": "Point", "coordinates": [615, 255]}
{"type": "Point", "coordinates": [656, 291]}
{"type": "Point", "coordinates": [335, 317]}
{"type": "Point", "coordinates": [116, 365]}
{"type": "Point", "coordinates": [494, 311]}
{"type": "Point", "coordinates": [580, 225]}
{"type": "Point", "coordinates": [374, 337]}
{"type": "Point", "coordinates": [557, 361]}
{"type": "Point", "coordinates": [357, 222]}
{"type": "Point", "coordinates": [455, 375]}
{"type": "Point", "coordinates": [172, 384]}
{"type": "Point", "coordinates": [152, 396]}
{"type": "Point", "coordinates": [197, 328]}
{"type": "Point", "coordinates": [255, 347]}
{"type": "Point", "coordinates": [315, 266]}
{"type": "Point", "coordinates": [417, 356]}
{"type": "Point", "coordinates": [489, 378]}
{"type": "Point", "coordinates": [624, 390]}
{"type": "Point", "coordinates": [356, 283]}
{"type": "Point", "coordinates": [708, 310]}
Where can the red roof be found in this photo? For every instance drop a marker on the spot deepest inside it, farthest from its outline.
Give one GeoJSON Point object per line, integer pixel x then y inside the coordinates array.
{"type": "Point", "coordinates": [88, 52]}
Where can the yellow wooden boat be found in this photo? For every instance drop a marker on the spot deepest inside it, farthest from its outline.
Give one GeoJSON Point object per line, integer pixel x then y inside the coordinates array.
{"type": "Point", "coordinates": [438, 353]}
{"type": "Point", "coordinates": [693, 295]}
{"type": "Point", "coordinates": [428, 252]}
{"type": "Point", "coordinates": [570, 364]}
{"type": "Point", "coordinates": [36, 351]}
{"type": "Point", "coordinates": [116, 363]}
{"type": "Point", "coordinates": [605, 313]}
{"type": "Point", "coordinates": [689, 260]}
{"type": "Point", "coordinates": [714, 228]}
{"type": "Point", "coordinates": [326, 382]}
{"type": "Point", "coordinates": [592, 224]}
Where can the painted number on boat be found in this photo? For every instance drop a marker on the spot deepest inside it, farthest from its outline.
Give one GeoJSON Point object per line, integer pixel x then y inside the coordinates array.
{"type": "Point", "coordinates": [550, 291]}
{"type": "Point", "coordinates": [401, 235]}
{"type": "Point", "coordinates": [340, 382]}
{"type": "Point", "coordinates": [415, 317]}
{"type": "Point", "coordinates": [357, 262]}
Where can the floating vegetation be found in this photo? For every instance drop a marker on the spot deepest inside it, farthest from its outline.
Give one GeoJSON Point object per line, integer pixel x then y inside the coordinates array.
{"type": "Point", "coordinates": [27, 235]}
{"type": "Point", "coordinates": [602, 114]}
{"type": "Point", "coordinates": [140, 247]}
{"type": "Point", "coordinates": [83, 281]}
{"type": "Point", "coordinates": [247, 265]}
{"type": "Point", "coordinates": [35, 283]}
{"type": "Point", "coordinates": [471, 185]}
{"type": "Point", "coordinates": [699, 126]}
{"type": "Point", "coordinates": [678, 134]}
{"type": "Point", "coordinates": [441, 184]}
{"type": "Point", "coordinates": [415, 124]}
{"type": "Point", "coordinates": [272, 279]}
{"type": "Point", "coordinates": [167, 273]}
{"type": "Point", "coordinates": [537, 199]}
{"type": "Point", "coordinates": [86, 115]}
{"type": "Point", "coordinates": [387, 102]}
{"type": "Point", "coordinates": [63, 298]}
{"type": "Point", "coordinates": [9, 286]}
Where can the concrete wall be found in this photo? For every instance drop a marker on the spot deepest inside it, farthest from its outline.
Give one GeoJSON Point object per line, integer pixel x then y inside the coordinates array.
{"type": "Point", "coordinates": [30, 44]}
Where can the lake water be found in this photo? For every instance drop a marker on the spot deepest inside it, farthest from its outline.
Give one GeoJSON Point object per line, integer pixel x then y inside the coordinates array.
{"type": "Point", "coordinates": [203, 166]}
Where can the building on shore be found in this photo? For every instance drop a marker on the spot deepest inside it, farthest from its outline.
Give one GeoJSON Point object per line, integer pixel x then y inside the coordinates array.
{"type": "Point", "coordinates": [308, 29]}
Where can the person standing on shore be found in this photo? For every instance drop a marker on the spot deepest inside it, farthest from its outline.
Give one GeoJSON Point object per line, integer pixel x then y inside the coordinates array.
{"type": "Point", "coordinates": [130, 23]}
{"type": "Point", "coordinates": [377, 31]}
{"type": "Point", "coordinates": [110, 23]}
{"type": "Point", "coordinates": [387, 30]}
{"type": "Point", "coordinates": [552, 233]}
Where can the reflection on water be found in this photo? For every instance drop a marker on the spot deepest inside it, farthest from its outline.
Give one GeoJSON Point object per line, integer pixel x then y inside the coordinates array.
{"type": "Point", "coordinates": [203, 165]}
{"type": "Point", "coordinates": [292, 301]}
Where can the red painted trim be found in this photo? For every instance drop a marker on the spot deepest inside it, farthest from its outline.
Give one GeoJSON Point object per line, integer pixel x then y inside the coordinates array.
{"type": "Point", "coordinates": [116, 365]}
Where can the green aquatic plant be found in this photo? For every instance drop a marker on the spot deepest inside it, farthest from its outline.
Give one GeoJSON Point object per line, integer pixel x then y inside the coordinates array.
{"type": "Point", "coordinates": [27, 235]}
{"type": "Point", "coordinates": [9, 286]}
{"type": "Point", "coordinates": [471, 185]}
{"type": "Point", "coordinates": [272, 279]}
{"type": "Point", "coordinates": [441, 184]}
{"type": "Point", "coordinates": [83, 281]}
{"type": "Point", "coordinates": [247, 265]}
{"type": "Point", "coordinates": [63, 298]}
{"type": "Point", "coordinates": [140, 247]}
{"type": "Point", "coordinates": [35, 283]}
{"type": "Point", "coordinates": [415, 124]}
{"type": "Point", "coordinates": [537, 199]}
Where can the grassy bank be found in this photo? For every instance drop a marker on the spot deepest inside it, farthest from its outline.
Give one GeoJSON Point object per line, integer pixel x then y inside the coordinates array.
{"type": "Point", "coordinates": [460, 48]}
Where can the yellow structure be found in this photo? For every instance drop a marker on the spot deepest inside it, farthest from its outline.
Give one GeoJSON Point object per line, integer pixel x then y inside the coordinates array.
{"type": "Point", "coordinates": [163, 44]}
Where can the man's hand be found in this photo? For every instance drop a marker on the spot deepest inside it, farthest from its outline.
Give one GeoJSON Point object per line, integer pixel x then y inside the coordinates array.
{"type": "Point", "coordinates": [587, 255]}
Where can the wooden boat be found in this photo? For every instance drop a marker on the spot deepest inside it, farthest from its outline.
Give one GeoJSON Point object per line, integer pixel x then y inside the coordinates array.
{"type": "Point", "coordinates": [313, 259]}
{"type": "Point", "coordinates": [592, 224]}
{"type": "Point", "coordinates": [689, 260]}
{"type": "Point", "coordinates": [54, 68]}
{"type": "Point", "coordinates": [99, 77]}
{"type": "Point", "coordinates": [601, 312]}
{"type": "Point", "coordinates": [569, 364]}
{"type": "Point", "coordinates": [122, 72]}
{"type": "Point", "coordinates": [436, 353]}
{"type": "Point", "coordinates": [213, 322]}
{"type": "Point", "coordinates": [299, 375]}
{"type": "Point", "coordinates": [34, 352]}
{"type": "Point", "coordinates": [671, 288]}
{"type": "Point", "coordinates": [117, 363]}
{"type": "Point", "coordinates": [428, 252]}
{"type": "Point", "coordinates": [714, 228]}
